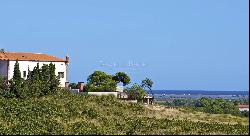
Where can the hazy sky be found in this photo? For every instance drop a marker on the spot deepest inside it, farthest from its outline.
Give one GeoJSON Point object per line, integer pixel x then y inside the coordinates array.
{"type": "Point", "coordinates": [179, 44]}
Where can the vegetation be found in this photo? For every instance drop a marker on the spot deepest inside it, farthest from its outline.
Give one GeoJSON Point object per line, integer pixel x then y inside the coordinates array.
{"type": "Point", "coordinates": [241, 101]}
{"type": "Point", "coordinates": [217, 106]}
{"type": "Point", "coordinates": [74, 114]}
{"type": "Point", "coordinates": [100, 82]}
{"type": "Point", "coordinates": [73, 85]}
{"type": "Point", "coordinates": [147, 83]}
{"type": "Point", "coordinates": [16, 84]}
{"type": "Point", "coordinates": [122, 77]}
{"type": "Point", "coordinates": [41, 81]}
{"type": "Point", "coordinates": [48, 110]}
{"type": "Point", "coordinates": [136, 92]}
{"type": "Point", "coordinates": [3, 84]}
{"type": "Point", "coordinates": [209, 105]}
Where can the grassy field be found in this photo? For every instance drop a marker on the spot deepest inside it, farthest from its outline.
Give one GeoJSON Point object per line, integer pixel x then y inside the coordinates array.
{"type": "Point", "coordinates": [67, 113]}
{"type": "Point", "coordinates": [159, 111]}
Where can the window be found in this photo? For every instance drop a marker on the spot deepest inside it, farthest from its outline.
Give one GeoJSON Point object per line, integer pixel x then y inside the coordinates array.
{"type": "Point", "coordinates": [24, 74]}
{"type": "Point", "coordinates": [61, 74]}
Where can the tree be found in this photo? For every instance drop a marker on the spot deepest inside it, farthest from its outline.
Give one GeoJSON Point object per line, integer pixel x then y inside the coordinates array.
{"type": "Point", "coordinates": [217, 106]}
{"type": "Point", "coordinates": [45, 79]}
{"type": "Point", "coordinates": [42, 81]}
{"type": "Point", "coordinates": [3, 85]}
{"type": "Point", "coordinates": [100, 82]}
{"type": "Point", "coordinates": [122, 77]}
{"type": "Point", "coordinates": [135, 92]}
{"type": "Point", "coordinates": [54, 80]}
{"type": "Point", "coordinates": [147, 83]}
{"type": "Point", "coordinates": [34, 81]}
{"type": "Point", "coordinates": [16, 82]}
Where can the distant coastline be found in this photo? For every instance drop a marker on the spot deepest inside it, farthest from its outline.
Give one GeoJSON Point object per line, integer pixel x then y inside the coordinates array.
{"type": "Point", "coordinates": [199, 92]}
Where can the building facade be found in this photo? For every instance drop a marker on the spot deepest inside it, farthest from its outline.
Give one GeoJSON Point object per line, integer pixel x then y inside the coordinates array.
{"type": "Point", "coordinates": [27, 61]}
{"type": "Point", "coordinates": [243, 107]}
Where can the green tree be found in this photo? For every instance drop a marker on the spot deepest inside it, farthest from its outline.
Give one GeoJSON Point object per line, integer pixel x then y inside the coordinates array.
{"type": "Point", "coordinates": [217, 106]}
{"type": "Point", "coordinates": [45, 79]}
{"type": "Point", "coordinates": [34, 81]}
{"type": "Point", "coordinates": [147, 83]}
{"type": "Point", "coordinates": [16, 82]}
{"type": "Point", "coordinates": [2, 83]}
{"type": "Point", "coordinates": [122, 77]}
{"type": "Point", "coordinates": [135, 92]}
{"type": "Point", "coordinates": [54, 80]}
{"type": "Point", "coordinates": [42, 81]}
{"type": "Point", "coordinates": [100, 82]}
{"type": "Point", "coordinates": [3, 86]}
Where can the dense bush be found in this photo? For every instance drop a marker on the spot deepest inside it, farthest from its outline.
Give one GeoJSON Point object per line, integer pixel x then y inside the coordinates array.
{"type": "Point", "coordinates": [67, 113]}
{"type": "Point", "coordinates": [209, 105]}
{"type": "Point", "coordinates": [217, 106]}
{"type": "Point", "coordinates": [41, 81]}
{"type": "Point", "coordinates": [3, 84]}
{"type": "Point", "coordinates": [135, 92]}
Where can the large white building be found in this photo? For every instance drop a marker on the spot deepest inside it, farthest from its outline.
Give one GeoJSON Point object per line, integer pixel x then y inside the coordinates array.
{"type": "Point", "coordinates": [29, 61]}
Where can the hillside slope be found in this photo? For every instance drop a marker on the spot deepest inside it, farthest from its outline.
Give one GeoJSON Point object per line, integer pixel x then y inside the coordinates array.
{"type": "Point", "coordinates": [67, 113]}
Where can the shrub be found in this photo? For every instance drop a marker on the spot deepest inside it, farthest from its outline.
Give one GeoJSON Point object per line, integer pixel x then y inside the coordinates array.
{"type": "Point", "coordinates": [41, 81]}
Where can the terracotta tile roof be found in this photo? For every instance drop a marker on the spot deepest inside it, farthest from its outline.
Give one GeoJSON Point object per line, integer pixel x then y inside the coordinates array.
{"type": "Point", "coordinates": [29, 57]}
{"type": "Point", "coordinates": [243, 106]}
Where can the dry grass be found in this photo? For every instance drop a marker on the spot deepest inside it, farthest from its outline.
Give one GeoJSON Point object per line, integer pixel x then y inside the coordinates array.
{"type": "Point", "coordinates": [159, 112]}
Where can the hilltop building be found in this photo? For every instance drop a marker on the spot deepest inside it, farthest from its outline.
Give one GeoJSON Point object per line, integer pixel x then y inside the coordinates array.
{"type": "Point", "coordinates": [27, 61]}
{"type": "Point", "coordinates": [243, 107]}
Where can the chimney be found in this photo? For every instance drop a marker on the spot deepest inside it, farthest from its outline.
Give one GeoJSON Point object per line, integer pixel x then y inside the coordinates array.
{"type": "Point", "coordinates": [66, 84]}
{"type": "Point", "coordinates": [81, 86]}
{"type": "Point", "coordinates": [67, 59]}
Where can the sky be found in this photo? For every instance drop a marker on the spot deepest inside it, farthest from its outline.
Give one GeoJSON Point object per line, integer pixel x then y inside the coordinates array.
{"type": "Point", "coordinates": [179, 44]}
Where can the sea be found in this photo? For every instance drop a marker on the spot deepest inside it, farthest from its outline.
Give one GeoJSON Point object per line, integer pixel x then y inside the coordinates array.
{"type": "Point", "coordinates": [196, 94]}
{"type": "Point", "coordinates": [202, 92]}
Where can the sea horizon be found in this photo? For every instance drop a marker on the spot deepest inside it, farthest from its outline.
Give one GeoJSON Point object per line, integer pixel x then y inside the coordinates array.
{"type": "Point", "coordinates": [203, 92]}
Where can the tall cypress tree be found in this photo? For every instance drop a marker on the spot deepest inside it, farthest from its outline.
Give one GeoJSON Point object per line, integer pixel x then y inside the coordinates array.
{"type": "Point", "coordinates": [17, 74]}
{"type": "Point", "coordinates": [45, 78]}
{"type": "Point", "coordinates": [54, 81]}
{"type": "Point", "coordinates": [16, 82]}
{"type": "Point", "coordinates": [34, 80]}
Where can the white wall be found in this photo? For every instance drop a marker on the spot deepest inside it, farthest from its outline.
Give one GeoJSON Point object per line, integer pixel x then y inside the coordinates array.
{"type": "Point", "coordinates": [24, 65]}
{"type": "Point", "coordinates": [119, 88]}
{"type": "Point", "coordinates": [244, 109]}
{"type": "Point", "coordinates": [102, 93]}
{"type": "Point", "coordinates": [3, 68]}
